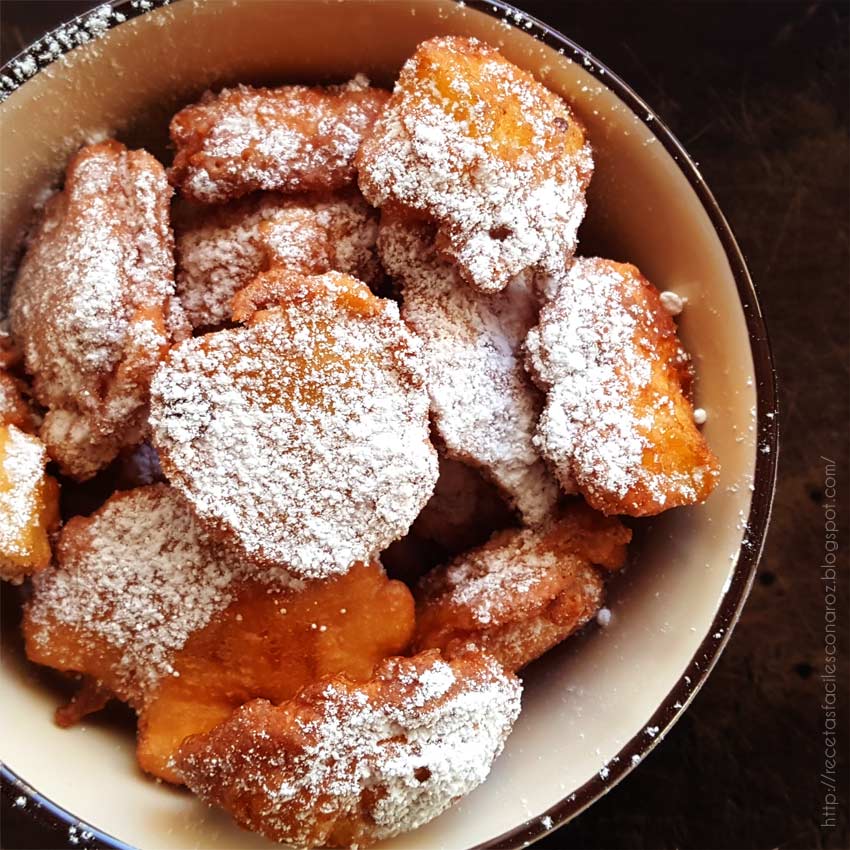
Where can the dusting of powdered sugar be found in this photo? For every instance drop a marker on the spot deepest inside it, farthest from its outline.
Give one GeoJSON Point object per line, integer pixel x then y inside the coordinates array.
{"type": "Point", "coordinates": [103, 252]}
{"type": "Point", "coordinates": [485, 406]}
{"type": "Point", "coordinates": [22, 462]}
{"type": "Point", "coordinates": [223, 248]}
{"type": "Point", "coordinates": [290, 139]}
{"type": "Point", "coordinates": [304, 436]}
{"type": "Point", "coordinates": [518, 572]}
{"type": "Point", "coordinates": [583, 352]}
{"type": "Point", "coordinates": [139, 576]}
{"type": "Point", "coordinates": [365, 762]}
{"type": "Point", "coordinates": [493, 156]}
{"type": "Point", "coordinates": [594, 351]}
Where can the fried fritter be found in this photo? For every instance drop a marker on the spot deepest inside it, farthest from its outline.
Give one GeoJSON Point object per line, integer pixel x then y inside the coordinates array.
{"type": "Point", "coordinates": [155, 614]}
{"type": "Point", "coordinates": [485, 407]}
{"type": "Point", "coordinates": [221, 249]}
{"type": "Point", "coordinates": [287, 139]}
{"type": "Point", "coordinates": [498, 161]}
{"type": "Point", "coordinates": [617, 418]}
{"type": "Point", "coordinates": [345, 765]}
{"type": "Point", "coordinates": [93, 306]}
{"type": "Point", "coordinates": [29, 504]}
{"type": "Point", "coordinates": [523, 591]}
{"type": "Point", "coordinates": [301, 438]}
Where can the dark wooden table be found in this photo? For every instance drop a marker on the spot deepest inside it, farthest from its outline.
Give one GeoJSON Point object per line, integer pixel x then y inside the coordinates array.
{"type": "Point", "coordinates": [758, 93]}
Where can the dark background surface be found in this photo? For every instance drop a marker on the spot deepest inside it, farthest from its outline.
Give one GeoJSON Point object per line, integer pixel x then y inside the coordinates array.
{"type": "Point", "coordinates": [758, 93]}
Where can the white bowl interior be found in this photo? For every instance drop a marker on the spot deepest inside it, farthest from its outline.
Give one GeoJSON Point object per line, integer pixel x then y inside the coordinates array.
{"type": "Point", "coordinates": [587, 699]}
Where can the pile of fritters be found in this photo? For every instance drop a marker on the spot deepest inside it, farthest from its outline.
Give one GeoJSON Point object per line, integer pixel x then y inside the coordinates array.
{"type": "Point", "coordinates": [343, 431]}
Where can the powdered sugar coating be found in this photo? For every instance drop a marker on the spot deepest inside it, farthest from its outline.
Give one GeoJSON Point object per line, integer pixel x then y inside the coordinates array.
{"type": "Point", "coordinates": [524, 590]}
{"type": "Point", "coordinates": [93, 308]}
{"type": "Point", "coordinates": [344, 765]}
{"type": "Point", "coordinates": [222, 248]}
{"type": "Point", "coordinates": [485, 406]}
{"type": "Point", "coordinates": [287, 139]}
{"type": "Point", "coordinates": [616, 417]}
{"type": "Point", "coordinates": [497, 160]}
{"type": "Point", "coordinates": [302, 437]}
{"type": "Point", "coordinates": [137, 577]}
{"type": "Point", "coordinates": [28, 504]}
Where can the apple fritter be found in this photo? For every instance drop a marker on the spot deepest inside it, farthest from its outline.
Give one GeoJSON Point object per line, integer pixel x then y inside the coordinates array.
{"type": "Point", "coordinates": [221, 249]}
{"type": "Point", "coordinates": [345, 765]}
{"type": "Point", "coordinates": [484, 405]}
{"type": "Point", "coordinates": [617, 418]}
{"type": "Point", "coordinates": [302, 437]}
{"type": "Point", "coordinates": [287, 139]}
{"type": "Point", "coordinates": [152, 612]}
{"type": "Point", "coordinates": [93, 305]}
{"type": "Point", "coordinates": [29, 504]}
{"type": "Point", "coordinates": [498, 161]}
{"type": "Point", "coordinates": [523, 591]}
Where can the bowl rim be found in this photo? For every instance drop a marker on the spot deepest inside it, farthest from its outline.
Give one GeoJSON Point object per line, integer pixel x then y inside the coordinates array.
{"type": "Point", "coordinates": [18, 794]}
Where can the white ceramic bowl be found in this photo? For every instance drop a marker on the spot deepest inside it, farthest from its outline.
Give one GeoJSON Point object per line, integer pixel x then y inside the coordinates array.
{"type": "Point", "coordinates": [596, 705]}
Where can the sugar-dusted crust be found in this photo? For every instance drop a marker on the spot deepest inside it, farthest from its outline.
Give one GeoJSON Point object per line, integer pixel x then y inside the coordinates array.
{"type": "Point", "coordinates": [347, 765]}
{"type": "Point", "coordinates": [93, 307]}
{"type": "Point", "coordinates": [617, 418]}
{"type": "Point", "coordinates": [485, 407]}
{"type": "Point", "coordinates": [301, 438]}
{"type": "Point", "coordinates": [287, 139]}
{"type": "Point", "coordinates": [221, 249]}
{"type": "Point", "coordinates": [29, 504]}
{"type": "Point", "coordinates": [150, 611]}
{"type": "Point", "coordinates": [498, 161]}
{"type": "Point", "coordinates": [523, 591]}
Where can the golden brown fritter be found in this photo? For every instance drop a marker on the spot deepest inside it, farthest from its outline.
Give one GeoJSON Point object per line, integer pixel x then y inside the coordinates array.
{"type": "Point", "coordinates": [221, 249]}
{"type": "Point", "coordinates": [93, 306]}
{"type": "Point", "coordinates": [287, 139]}
{"type": "Point", "coordinates": [483, 403]}
{"type": "Point", "coordinates": [301, 438]}
{"type": "Point", "coordinates": [150, 611]}
{"type": "Point", "coordinates": [617, 418]}
{"type": "Point", "coordinates": [29, 504]}
{"type": "Point", "coordinates": [345, 765]}
{"type": "Point", "coordinates": [477, 145]}
{"type": "Point", "coordinates": [523, 591]}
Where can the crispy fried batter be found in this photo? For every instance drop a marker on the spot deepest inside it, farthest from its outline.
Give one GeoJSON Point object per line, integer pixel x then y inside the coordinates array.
{"type": "Point", "coordinates": [617, 418]}
{"type": "Point", "coordinates": [221, 249]}
{"type": "Point", "coordinates": [498, 161]}
{"type": "Point", "coordinates": [485, 407]}
{"type": "Point", "coordinates": [29, 504]}
{"type": "Point", "coordinates": [150, 611]}
{"type": "Point", "coordinates": [93, 306]}
{"type": "Point", "coordinates": [523, 591]}
{"type": "Point", "coordinates": [345, 765]}
{"type": "Point", "coordinates": [288, 139]}
{"type": "Point", "coordinates": [301, 438]}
